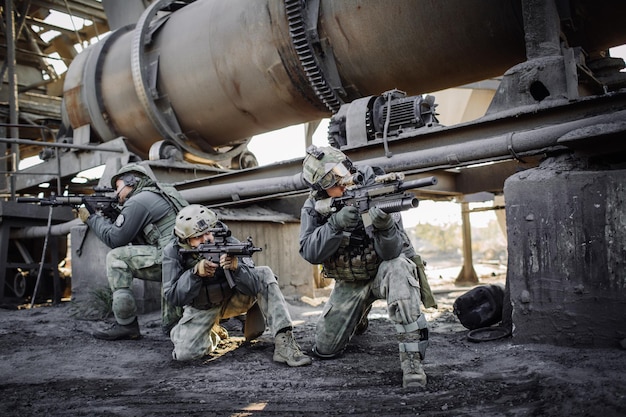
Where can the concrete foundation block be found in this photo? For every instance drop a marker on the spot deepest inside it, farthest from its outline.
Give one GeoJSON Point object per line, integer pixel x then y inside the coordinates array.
{"type": "Point", "coordinates": [567, 255]}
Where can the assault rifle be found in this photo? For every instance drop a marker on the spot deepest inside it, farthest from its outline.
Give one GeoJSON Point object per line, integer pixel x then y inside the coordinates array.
{"type": "Point", "coordinates": [99, 201]}
{"type": "Point", "coordinates": [388, 192]}
{"type": "Point", "coordinates": [221, 245]}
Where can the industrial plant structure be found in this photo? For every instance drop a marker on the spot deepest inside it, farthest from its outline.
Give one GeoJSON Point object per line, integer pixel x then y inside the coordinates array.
{"type": "Point", "coordinates": [182, 86]}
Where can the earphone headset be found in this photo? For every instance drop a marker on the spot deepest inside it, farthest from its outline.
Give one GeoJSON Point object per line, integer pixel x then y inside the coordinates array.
{"type": "Point", "coordinates": [130, 179]}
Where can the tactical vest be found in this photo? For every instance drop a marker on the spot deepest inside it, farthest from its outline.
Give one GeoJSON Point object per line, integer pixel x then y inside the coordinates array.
{"type": "Point", "coordinates": [214, 290]}
{"type": "Point", "coordinates": [159, 234]}
{"type": "Point", "coordinates": [355, 260]}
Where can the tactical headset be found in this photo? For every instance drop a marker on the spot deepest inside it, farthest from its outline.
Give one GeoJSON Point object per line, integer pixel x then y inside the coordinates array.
{"type": "Point", "coordinates": [130, 179]}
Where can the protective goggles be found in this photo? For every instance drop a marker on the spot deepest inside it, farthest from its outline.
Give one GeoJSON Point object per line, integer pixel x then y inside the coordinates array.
{"type": "Point", "coordinates": [334, 173]}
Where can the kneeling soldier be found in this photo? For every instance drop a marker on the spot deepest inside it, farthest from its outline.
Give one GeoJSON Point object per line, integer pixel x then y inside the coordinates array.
{"type": "Point", "coordinates": [202, 288]}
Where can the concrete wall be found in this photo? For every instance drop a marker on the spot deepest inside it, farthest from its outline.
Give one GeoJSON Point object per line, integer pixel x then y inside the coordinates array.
{"type": "Point", "coordinates": [566, 227]}
{"type": "Point", "coordinates": [279, 242]}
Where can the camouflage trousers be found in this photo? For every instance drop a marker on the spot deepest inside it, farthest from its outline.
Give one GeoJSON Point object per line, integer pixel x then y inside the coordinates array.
{"type": "Point", "coordinates": [396, 281]}
{"type": "Point", "coordinates": [194, 337]}
{"type": "Point", "coordinates": [138, 261]}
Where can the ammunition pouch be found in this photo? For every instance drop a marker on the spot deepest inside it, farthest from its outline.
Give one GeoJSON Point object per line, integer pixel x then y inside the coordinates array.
{"type": "Point", "coordinates": [159, 233]}
{"type": "Point", "coordinates": [353, 261]}
{"type": "Point", "coordinates": [212, 294]}
{"type": "Point", "coordinates": [151, 234]}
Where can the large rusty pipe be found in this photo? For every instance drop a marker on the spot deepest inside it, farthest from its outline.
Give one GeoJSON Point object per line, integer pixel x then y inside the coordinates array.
{"type": "Point", "coordinates": [214, 73]}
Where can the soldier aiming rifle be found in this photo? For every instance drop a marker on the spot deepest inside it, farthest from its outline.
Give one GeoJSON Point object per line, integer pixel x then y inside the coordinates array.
{"type": "Point", "coordinates": [223, 246]}
{"type": "Point", "coordinates": [202, 288]}
{"type": "Point", "coordinates": [102, 201]}
{"type": "Point", "coordinates": [387, 192]}
{"type": "Point", "coordinates": [349, 231]}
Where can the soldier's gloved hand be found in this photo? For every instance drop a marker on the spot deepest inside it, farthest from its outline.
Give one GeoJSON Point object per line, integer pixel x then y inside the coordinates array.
{"type": "Point", "coordinates": [83, 214]}
{"type": "Point", "coordinates": [345, 219]}
{"type": "Point", "coordinates": [204, 268]}
{"type": "Point", "coordinates": [228, 262]}
{"type": "Point", "coordinates": [380, 219]}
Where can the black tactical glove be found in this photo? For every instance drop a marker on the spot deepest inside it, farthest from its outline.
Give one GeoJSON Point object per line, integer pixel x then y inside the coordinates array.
{"type": "Point", "coordinates": [345, 219]}
{"type": "Point", "coordinates": [380, 219]}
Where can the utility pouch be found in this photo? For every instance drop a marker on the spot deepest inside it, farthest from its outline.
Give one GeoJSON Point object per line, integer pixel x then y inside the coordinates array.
{"type": "Point", "coordinates": [212, 294]}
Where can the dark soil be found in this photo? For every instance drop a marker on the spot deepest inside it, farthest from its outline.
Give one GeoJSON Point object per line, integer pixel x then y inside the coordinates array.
{"type": "Point", "coordinates": [50, 365]}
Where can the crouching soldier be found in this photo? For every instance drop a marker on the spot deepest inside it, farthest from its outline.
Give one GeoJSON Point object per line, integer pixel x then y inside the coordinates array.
{"type": "Point", "coordinates": [201, 287]}
{"type": "Point", "coordinates": [137, 237]}
{"type": "Point", "coordinates": [365, 266]}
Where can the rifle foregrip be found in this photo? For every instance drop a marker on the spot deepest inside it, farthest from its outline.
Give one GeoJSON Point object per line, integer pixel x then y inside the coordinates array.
{"type": "Point", "coordinates": [68, 201]}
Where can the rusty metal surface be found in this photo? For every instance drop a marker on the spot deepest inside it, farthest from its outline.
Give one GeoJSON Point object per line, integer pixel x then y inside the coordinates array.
{"type": "Point", "coordinates": [226, 71]}
{"type": "Point", "coordinates": [421, 46]}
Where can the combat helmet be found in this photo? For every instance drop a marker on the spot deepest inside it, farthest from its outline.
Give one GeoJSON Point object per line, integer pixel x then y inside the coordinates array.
{"type": "Point", "coordinates": [194, 220]}
{"type": "Point", "coordinates": [324, 166]}
{"type": "Point", "coordinates": [130, 174]}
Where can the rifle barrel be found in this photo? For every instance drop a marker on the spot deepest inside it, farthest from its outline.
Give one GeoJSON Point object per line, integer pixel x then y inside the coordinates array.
{"type": "Point", "coordinates": [52, 201]}
{"type": "Point", "coordinates": [419, 183]}
{"type": "Point", "coordinates": [64, 200]}
{"type": "Point", "coordinates": [28, 199]}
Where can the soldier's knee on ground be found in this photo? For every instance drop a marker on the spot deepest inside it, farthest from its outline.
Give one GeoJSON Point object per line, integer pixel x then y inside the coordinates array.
{"type": "Point", "coordinates": [187, 348]}
{"type": "Point", "coordinates": [320, 354]}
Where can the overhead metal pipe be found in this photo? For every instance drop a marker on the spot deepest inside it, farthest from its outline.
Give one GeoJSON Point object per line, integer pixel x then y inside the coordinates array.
{"type": "Point", "coordinates": [245, 189]}
{"type": "Point", "coordinates": [31, 232]}
{"type": "Point", "coordinates": [495, 148]}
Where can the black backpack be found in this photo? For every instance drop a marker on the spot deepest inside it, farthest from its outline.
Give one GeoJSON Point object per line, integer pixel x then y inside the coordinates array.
{"type": "Point", "coordinates": [480, 307]}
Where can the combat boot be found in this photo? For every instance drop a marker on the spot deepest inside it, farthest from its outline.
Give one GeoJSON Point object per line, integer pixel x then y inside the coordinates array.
{"type": "Point", "coordinates": [119, 332]}
{"type": "Point", "coordinates": [220, 331]}
{"type": "Point", "coordinates": [286, 350]}
{"type": "Point", "coordinates": [412, 373]}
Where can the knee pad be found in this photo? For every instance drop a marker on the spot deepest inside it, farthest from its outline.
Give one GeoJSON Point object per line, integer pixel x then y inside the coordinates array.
{"type": "Point", "coordinates": [124, 306]}
{"type": "Point", "coordinates": [421, 330]}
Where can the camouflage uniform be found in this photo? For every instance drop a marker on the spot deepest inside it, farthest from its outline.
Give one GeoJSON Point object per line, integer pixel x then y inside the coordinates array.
{"type": "Point", "coordinates": [207, 300]}
{"type": "Point", "coordinates": [137, 237]}
{"type": "Point", "coordinates": [365, 268]}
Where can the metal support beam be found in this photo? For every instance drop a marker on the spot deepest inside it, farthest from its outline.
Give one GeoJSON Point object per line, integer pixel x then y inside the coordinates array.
{"type": "Point", "coordinates": [467, 276]}
{"type": "Point", "coordinates": [70, 164]}
{"type": "Point", "coordinates": [13, 93]}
